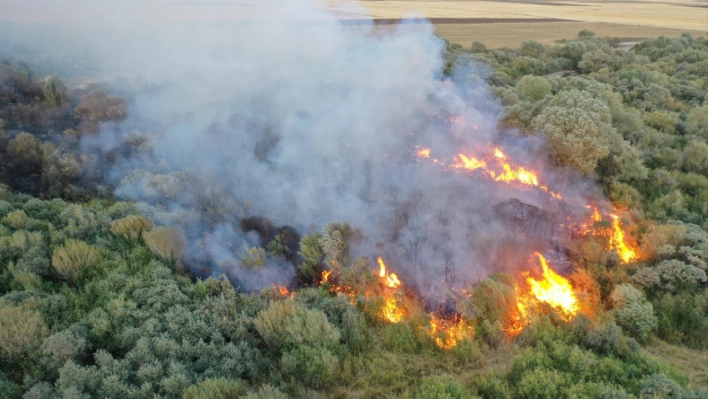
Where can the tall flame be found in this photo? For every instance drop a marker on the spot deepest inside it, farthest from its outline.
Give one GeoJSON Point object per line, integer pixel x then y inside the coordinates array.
{"type": "Point", "coordinates": [392, 309]}
{"type": "Point", "coordinates": [554, 290]}
{"type": "Point", "coordinates": [617, 242]}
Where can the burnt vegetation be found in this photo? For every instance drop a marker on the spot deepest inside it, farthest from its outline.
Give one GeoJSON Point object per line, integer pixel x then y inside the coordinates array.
{"type": "Point", "coordinates": [101, 297]}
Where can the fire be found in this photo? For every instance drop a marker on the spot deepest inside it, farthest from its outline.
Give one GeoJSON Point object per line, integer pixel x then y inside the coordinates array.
{"type": "Point", "coordinates": [448, 333]}
{"type": "Point", "coordinates": [391, 280]}
{"type": "Point", "coordinates": [282, 290]}
{"type": "Point", "coordinates": [423, 153]}
{"type": "Point", "coordinates": [552, 289]}
{"type": "Point", "coordinates": [392, 309]}
{"type": "Point", "coordinates": [617, 242]}
{"type": "Point", "coordinates": [470, 163]}
{"type": "Point", "coordinates": [325, 276]}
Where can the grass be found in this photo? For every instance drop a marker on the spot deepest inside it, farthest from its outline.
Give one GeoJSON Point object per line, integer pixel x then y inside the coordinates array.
{"type": "Point", "coordinates": [692, 363]}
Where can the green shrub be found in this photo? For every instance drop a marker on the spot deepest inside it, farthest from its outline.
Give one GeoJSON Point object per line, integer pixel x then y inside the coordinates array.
{"type": "Point", "coordinates": [267, 392]}
{"type": "Point", "coordinates": [658, 386]}
{"type": "Point", "coordinates": [442, 388]}
{"type": "Point", "coordinates": [632, 312]}
{"type": "Point", "coordinates": [130, 227]}
{"type": "Point", "coordinates": [216, 388]}
{"type": "Point", "coordinates": [72, 258]}
{"type": "Point", "coordinates": [166, 242]}
{"type": "Point", "coordinates": [17, 219]}
{"type": "Point", "coordinates": [21, 330]}
{"type": "Point", "coordinates": [254, 257]}
{"type": "Point", "coordinates": [401, 337]}
{"type": "Point", "coordinates": [313, 366]}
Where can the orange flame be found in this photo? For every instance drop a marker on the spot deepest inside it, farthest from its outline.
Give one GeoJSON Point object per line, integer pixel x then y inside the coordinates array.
{"type": "Point", "coordinates": [617, 242]}
{"type": "Point", "coordinates": [447, 334]}
{"type": "Point", "coordinates": [325, 276]}
{"type": "Point", "coordinates": [554, 290]}
{"type": "Point", "coordinates": [280, 289]}
{"type": "Point", "coordinates": [423, 153]}
{"type": "Point", "coordinates": [392, 309]}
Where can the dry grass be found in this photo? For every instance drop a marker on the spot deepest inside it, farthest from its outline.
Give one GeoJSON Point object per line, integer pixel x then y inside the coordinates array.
{"type": "Point", "coordinates": [692, 363]}
{"type": "Point", "coordinates": [498, 35]}
{"type": "Point", "coordinates": [676, 14]}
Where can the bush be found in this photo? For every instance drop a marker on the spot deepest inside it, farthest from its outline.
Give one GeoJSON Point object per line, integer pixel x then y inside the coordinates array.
{"type": "Point", "coordinates": [659, 386]}
{"type": "Point", "coordinates": [442, 388]}
{"type": "Point", "coordinates": [166, 242]}
{"type": "Point", "coordinates": [217, 388]}
{"type": "Point", "coordinates": [632, 312]}
{"type": "Point", "coordinates": [21, 330]}
{"type": "Point", "coordinates": [130, 227]}
{"type": "Point", "coordinates": [266, 392]}
{"type": "Point", "coordinates": [71, 259]}
{"type": "Point", "coordinates": [17, 220]}
{"type": "Point", "coordinates": [313, 366]}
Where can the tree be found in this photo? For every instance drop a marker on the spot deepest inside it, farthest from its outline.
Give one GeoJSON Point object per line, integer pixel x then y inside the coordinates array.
{"type": "Point", "coordinates": [578, 129]}
{"type": "Point", "coordinates": [697, 121]}
{"type": "Point", "coordinates": [533, 87]}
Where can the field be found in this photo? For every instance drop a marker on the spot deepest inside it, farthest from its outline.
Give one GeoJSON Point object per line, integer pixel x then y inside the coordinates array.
{"type": "Point", "coordinates": [508, 23]}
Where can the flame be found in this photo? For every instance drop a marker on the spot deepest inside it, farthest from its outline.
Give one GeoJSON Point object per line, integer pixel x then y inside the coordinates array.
{"type": "Point", "coordinates": [618, 244]}
{"type": "Point", "coordinates": [325, 276]}
{"type": "Point", "coordinates": [470, 163]}
{"type": "Point", "coordinates": [281, 289]}
{"type": "Point", "coordinates": [448, 333]}
{"type": "Point", "coordinates": [553, 290]}
{"type": "Point", "coordinates": [392, 309]}
{"type": "Point", "coordinates": [423, 153]}
{"type": "Point", "coordinates": [499, 154]}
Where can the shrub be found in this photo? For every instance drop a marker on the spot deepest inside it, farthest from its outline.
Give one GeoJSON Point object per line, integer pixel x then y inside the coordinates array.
{"type": "Point", "coordinates": [442, 388]}
{"type": "Point", "coordinates": [401, 337]}
{"type": "Point", "coordinates": [166, 242]}
{"type": "Point", "coordinates": [605, 339]}
{"type": "Point", "coordinates": [130, 227]}
{"type": "Point", "coordinates": [312, 256]}
{"type": "Point", "coordinates": [17, 220]}
{"type": "Point", "coordinates": [217, 388]}
{"type": "Point", "coordinates": [21, 330]}
{"type": "Point", "coordinates": [313, 366]}
{"type": "Point", "coordinates": [254, 257]}
{"type": "Point", "coordinates": [659, 386]}
{"type": "Point", "coordinates": [72, 258]}
{"type": "Point", "coordinates": [267, 392]}
{"type": "Point", "coordinates": [632, 312]}
{"type": "Point", "coordinates": [287, 322]}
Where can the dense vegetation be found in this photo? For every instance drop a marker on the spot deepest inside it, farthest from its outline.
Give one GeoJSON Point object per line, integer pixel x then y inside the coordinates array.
{"type": "Point", "coordinates": [96, 302]}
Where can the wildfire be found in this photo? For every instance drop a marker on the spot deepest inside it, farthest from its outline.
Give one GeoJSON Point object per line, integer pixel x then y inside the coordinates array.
{"type": "Point", "coordinates": [282, 290]}
{"type": "Point", "coordinates": [498, 166]}
{"type": "Point", "coordinates": [552, 289]}
{"type": "Point", "coordinates": [423, 153]}
{"type": "Point", "coordinates": [448, 333]}
{"type": "Point", "coordinates": [325, 276]}
{"type": "Point", "coordinates": [392, 309]}
{"type": "Point", "coordinates": [618, 244]}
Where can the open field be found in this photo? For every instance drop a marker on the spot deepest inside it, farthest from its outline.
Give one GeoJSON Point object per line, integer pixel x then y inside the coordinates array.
{"type": "Point", "coordinates": [498, 35]}
{"type": "Point", "coordinates": [503, 23]}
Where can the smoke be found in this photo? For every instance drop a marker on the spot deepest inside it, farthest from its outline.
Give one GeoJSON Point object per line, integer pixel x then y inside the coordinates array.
{"type": "Point", "coordinates": [288, 113]}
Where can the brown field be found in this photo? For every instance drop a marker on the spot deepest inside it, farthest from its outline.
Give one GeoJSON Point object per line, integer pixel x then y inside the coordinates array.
{"type": "Point", "coordinates": [498, 35]}
{"type": "Point", "coordinates": [504, 22]}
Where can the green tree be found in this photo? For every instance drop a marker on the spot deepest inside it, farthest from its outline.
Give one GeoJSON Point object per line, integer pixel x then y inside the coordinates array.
{"type": "Point", "coordinates": [578, 129]}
